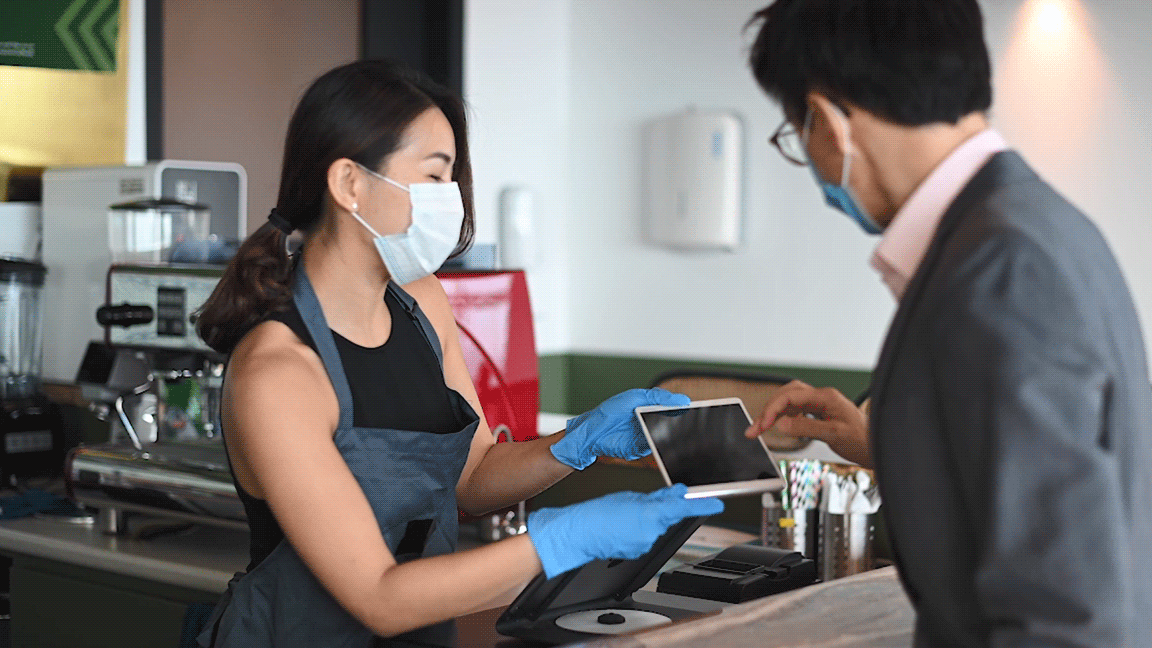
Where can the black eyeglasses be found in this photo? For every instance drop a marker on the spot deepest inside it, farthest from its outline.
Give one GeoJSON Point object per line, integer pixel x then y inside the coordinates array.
{"type": "Point", "coordinates": [787, 140]}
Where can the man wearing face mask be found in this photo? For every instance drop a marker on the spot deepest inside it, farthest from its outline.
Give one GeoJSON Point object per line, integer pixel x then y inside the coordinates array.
{"type": "Point", "coordinates": [1011, 419]}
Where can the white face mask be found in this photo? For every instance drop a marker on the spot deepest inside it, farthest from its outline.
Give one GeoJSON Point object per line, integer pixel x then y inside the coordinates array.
{"type": "Point", "coordinates": [437, 214]}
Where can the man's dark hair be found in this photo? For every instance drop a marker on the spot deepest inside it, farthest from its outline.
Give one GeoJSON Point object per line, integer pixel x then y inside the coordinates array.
{"type": "Point", "coordinates": [911, 62]}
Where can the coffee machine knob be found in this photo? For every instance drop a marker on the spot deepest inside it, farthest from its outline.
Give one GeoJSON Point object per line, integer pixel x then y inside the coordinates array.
{"type": "Point", "coordinates": [100, 410]}
{"type": "Point", "coordinates": [125, 315]}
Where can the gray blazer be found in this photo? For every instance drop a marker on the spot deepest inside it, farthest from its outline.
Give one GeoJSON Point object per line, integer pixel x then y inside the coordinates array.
{"type": "Point", "coordinates": [1012, 428]}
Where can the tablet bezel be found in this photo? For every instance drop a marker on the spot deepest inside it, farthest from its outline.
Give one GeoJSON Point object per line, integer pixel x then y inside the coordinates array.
{"type": "Point", "coordinates": [720, 489]}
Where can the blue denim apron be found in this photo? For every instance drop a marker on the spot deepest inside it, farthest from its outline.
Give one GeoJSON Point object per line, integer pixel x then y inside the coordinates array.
{"type": "Point", "coordinates": [409, 478]}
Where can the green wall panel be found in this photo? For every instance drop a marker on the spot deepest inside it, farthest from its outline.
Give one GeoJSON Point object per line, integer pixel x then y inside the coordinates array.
{"type": "Point", "coordinates": [554, 383]}
{"type": "Point", "coordinates": [573, 383]}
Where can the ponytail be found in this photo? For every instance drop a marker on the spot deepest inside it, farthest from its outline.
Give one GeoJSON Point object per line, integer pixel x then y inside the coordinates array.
{"type": "Point", "coordinates": [255, 285]}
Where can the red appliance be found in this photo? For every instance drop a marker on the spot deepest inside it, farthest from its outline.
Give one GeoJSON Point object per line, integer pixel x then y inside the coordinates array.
{"type": "Point", "coordinates": [495, 320]}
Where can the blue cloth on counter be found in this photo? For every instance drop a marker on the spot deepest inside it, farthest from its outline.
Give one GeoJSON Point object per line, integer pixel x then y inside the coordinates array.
{"type": "Point", "coordinates": [36, 501]}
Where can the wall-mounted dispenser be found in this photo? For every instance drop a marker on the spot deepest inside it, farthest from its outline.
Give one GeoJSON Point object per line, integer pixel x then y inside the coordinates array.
{"type": "Point", "coordinates": [693, 180]}
{"type": "Point", "coordinates": [517, 231]}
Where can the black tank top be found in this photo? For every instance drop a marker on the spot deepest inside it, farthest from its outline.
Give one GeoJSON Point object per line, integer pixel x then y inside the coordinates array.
{"type": "Point", "coordinates": [398, 385]}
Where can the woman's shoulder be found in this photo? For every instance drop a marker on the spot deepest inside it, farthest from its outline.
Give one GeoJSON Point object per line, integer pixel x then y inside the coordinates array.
{"type": "Point", "coordinates": [429, 294]}
{"type": "Point", "coordinates": [275, 389]}
{"type": "Point", "coordinates": [273, 354]}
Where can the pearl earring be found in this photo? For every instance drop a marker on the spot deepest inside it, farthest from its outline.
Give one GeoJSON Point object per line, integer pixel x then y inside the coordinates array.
{"type": "Point", "coordinates": [355, 207]}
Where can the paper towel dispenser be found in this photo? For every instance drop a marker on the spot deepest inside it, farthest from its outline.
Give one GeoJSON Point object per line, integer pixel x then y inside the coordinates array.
{"type": "Point", "coordinates": [693, 180]}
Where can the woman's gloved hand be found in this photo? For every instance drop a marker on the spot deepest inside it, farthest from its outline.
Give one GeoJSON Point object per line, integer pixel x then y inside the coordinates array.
{"type": "Point", "coordinates": [611, 429]}
{"type": "Point", "coordinates": [620, 525]}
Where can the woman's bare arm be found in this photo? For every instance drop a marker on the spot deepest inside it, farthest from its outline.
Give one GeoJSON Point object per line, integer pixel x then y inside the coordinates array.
{"type": "Point", "coordinates": [496, 475]}
{"type": "Point", "coordinates": [281, 414]}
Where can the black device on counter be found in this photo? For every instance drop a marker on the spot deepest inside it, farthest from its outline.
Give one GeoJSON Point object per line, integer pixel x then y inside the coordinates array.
{"type": "Point", "coordinates": [740, 574]}
{"type": "Point", "coordinates": [596, 599]}
{"type": "Point", "coordinates": [32, 435]}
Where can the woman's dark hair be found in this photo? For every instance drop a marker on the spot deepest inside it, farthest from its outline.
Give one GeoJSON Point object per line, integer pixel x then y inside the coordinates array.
{"type": "Point", "coordinates": [357, 111]}
{"type": "Point", "coordinates": [911, 62]}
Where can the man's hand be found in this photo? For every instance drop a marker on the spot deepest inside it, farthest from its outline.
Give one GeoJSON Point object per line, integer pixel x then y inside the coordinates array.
{"type": "Point", "coordinates": [800, 410]}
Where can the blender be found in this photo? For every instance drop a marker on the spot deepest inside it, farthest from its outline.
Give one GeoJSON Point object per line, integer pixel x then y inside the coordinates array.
{"type": "Point", "coordinates": [31, 426]}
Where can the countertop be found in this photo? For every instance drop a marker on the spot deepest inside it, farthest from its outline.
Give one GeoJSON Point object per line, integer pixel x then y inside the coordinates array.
{"type": "Point", "coordinates": [201, 557]}
{"type": "Point", "coordinates": [864, 611]}
{"type": "Point", "coordinates": [868, 610]}
{"type": "Point", "coordinates": [198, 557]}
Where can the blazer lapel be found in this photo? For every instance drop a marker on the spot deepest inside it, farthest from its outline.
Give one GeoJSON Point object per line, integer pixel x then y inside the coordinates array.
{"type": "Point", "coordinates": [986, 180]}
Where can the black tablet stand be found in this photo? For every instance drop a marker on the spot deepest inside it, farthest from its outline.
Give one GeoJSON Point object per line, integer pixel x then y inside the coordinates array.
{"type": "Point", "coordinates": [600, 584]}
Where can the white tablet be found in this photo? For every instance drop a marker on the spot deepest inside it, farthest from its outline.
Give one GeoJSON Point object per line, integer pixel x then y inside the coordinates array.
{"type": "Point", "coordinates": [702, 445]}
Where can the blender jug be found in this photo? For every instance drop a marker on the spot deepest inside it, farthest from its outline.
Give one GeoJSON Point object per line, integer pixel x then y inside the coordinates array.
{"type": "Point", "coordinates": [21, 308]}
{"type": "Point", "coordinates": [31, 437]}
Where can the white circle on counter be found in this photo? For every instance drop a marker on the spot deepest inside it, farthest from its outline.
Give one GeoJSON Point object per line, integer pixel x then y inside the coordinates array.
{"type": "Point", "coordinates": [589, 621]}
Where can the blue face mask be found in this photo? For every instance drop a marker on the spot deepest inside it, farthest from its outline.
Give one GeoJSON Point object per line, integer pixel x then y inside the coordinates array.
{"type": "Point", "coordinates": [840, 196]}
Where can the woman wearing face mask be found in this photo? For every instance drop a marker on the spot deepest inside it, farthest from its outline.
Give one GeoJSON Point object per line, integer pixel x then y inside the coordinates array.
{"type": "Point", "coordinates": [353, 430]}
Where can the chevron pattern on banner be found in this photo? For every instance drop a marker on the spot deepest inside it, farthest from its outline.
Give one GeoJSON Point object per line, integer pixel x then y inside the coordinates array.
{"type": "Point", "coordinates": [90, 51]}
{"type": "Point", "coordinates": [61, 34]}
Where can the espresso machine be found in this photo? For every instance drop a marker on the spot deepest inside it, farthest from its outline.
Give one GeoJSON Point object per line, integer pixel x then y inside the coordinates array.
{"type": "Point", "coordinates": [158, 387]}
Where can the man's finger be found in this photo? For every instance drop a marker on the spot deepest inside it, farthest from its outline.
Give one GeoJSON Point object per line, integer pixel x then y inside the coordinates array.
{"type": "Point", "coordinates": [807, 428]}
{"type": "Point", "coordinates": [777, 407]}
{"type": "Point", "coordinates": [793, 398]}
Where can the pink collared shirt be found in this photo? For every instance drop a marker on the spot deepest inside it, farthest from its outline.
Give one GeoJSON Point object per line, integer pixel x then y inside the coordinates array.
{"type": "Point", "coordinates": [907, 237]}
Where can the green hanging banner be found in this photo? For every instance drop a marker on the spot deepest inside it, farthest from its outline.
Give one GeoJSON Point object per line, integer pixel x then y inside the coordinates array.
{"type": "Point", "coordinates": [60, 34]}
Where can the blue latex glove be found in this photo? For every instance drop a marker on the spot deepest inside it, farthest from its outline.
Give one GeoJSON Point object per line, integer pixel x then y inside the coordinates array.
{"type": "Point", "coordinates": [620, 525]}
{"type": "Point", "coordinates": [611, 430]}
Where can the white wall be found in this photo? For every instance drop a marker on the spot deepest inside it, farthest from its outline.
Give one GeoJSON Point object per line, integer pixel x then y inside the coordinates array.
{"type": "Point", "coordinates": [1073, 98]}
{"type": "Point", "coordinates": [561, 87]}
{"type": "Point", "coordinates": [784, 296]}
{"type": "Point", "coordinates": [516, 58]}
{"type": "Point", "coordinates": [135, 122]}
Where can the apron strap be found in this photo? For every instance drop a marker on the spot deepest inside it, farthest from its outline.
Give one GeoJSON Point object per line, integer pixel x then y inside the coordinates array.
{"type": "Point", "coordinates": [313, 315]}
{"type": "Point", "coordinates": [413, 310]}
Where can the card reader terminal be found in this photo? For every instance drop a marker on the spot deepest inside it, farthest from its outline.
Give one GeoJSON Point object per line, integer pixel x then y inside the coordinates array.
{"type": "Point", "coordinates": [740, 574]}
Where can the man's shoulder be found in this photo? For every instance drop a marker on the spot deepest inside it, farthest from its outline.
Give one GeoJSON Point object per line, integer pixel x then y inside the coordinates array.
{"type": "Point", "coordinates": [1024, 258]}
{"type": "Point", "coordinates": [1015, 211]}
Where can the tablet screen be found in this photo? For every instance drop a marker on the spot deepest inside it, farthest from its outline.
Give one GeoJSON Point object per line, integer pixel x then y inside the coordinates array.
{"type": "Point", "coordinates": [706, 445]}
